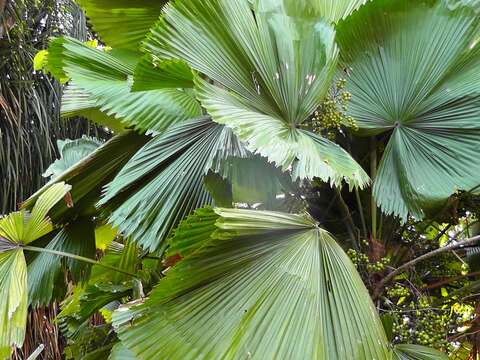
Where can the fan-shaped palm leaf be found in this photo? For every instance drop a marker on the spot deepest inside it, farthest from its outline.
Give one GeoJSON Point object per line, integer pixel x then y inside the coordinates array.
{"type": "Point", "coordinates": [263, 285]}
{"type": "Point", "coordinates": [275, 69]}
{"type": "Point", "coordinates": [415, 71]}
{"type": "Point", "coordinates": [19, 228]}
{"type": "Point", "coordinates": [163, 182]}
{"type": "Point", "coordinates": [23, 226]}
{"type": "Point", "coordinates": [457, 4]}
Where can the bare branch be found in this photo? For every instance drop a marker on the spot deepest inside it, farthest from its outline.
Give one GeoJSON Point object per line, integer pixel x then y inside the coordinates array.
{"type": "Point", "coordinates": [460, 244]}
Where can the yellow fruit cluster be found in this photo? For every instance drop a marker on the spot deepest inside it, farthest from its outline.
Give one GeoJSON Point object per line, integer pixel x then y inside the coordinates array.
{"type": "Point", "coordinates": [331, 115]}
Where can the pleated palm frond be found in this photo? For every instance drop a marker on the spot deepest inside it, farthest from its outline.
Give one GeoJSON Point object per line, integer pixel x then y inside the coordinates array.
{"type": "Point", "coordinates": [416, 352]}
{"type": "Point", "coordinates": [88, 176]}
{"type": "Point", "coordinates": [163, 182]}
{"type": "Point", "coordinates": [122, 23]}
{"type": "Point", "coordinates": [71, 152]}
{"type": "Point", "coordinates": [263, 285]}
{"type": "Point", "coordinates": [101, 81]}
{"type": "Point", "coordinates": [21, 227]}
{"type": "Point", "coordinates": [270, 72]}
{"type": "Point", "coordinates": [78, 102]}
{"type": "Point", "coordinates": [192, 232]}
{"type": "Point", "coordinates": [415, 72]}
{"type": "Point", "coordinates": [330, 10]}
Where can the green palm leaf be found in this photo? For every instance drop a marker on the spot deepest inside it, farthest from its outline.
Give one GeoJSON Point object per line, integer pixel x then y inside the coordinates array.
{"type": "Point", "coordinates": [13, 307]}
{"type": "Point", "coordinates": [255, 180]}
{"type": "Point", "coordinates": [163, 182]}
{"type": "Point", "coordinates": [249, 180]}
{"type": "Point", "coordinates": [78, 102]}
{"type": "Point", "coordinates": [71, 152]}
{"type": "Point", "coordinates": [89, 175]}
{"type": "Point", "coordinates": [415, 72]}
{"type": "Point", "coordinates": [101, 81]}
{"type": "Point", "coordinates": [417, 352]}
{"type": "Point", "coordinates": [120, 352]}
{"type": "Point", "coordinates": [270, 72]}
{"type": "Point", "coordinates": [150, 75]}
{"type": "Point", "coordinates": [192, 232]}
{"type": "Point", "coordinates": [45, 271]}
{"type": "Point", "coordinates": [21, 227]}
{"type": "Point", "coordinates": [122, 23]}
{"type": "Point", "coordinates": [264, 285]}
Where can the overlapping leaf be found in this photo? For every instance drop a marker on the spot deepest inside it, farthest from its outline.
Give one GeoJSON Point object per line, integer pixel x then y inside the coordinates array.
{"type": "Point", "coordinates": [102, 80]}
{"type": "Point", "coordinates": [415, 72]}
{"type": "Point", "coordinates": [77, 102]}
{"type": "Point", "coordinates": [270, 72]}
{"type": "Point", "coordinates": [150, 75]}
{"type": "Point", "coordinates": [103, 289]}
{"type": "Point", "coordinates": [248, 180]}
{"type": "Point", "coordinates": [45, 270]}
{"type": "Point", "coordinates": [71, 152]}
{"type": "Point", "coordinates": [163, 182]}
{"type": "Point", "coordinates": [264, 285]}
{"type": "Point", "coordinates": [89, 175]}
{"type": "Point", "coordinates": [23, 227]}
{"type": "Point", "coordinates": [122, 23]}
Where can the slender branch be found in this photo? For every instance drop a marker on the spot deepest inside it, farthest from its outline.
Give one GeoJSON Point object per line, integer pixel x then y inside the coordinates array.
{"type": "Point", "coordinates": [360, 210]}
{"type": "Point", "coordinates": [346, 214]}
{"type": "Point", "coordinates": [449, 280]}
{"type": "Point", "coordinates": [76, 257]}
{"type": "Point", "coordinates": [373, 175]}
{"type": "Point", "coordinates": [467, 242]}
